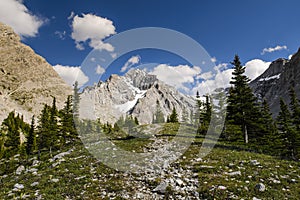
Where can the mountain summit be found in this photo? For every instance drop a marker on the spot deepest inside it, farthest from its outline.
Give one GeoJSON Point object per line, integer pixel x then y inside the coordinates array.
{"type": "Point", "coordinates": [27, 81]}
{"type": "Point", "coordinates": [137, 93]}
{"type": "Point", "coordinates": [275, 82]}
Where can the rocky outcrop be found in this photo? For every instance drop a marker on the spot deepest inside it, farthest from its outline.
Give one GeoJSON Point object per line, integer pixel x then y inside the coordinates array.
{"type": "Point", "coordinates": [275, 82]}
{"type": "Point", "coordinates": [136, 94]}
{"type": "Point", "coordinates": [27, 81]}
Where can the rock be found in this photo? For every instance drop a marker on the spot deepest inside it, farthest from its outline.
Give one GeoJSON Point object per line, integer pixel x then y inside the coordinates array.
{"type": "Point", "coordinates": [254, 162]}
{"type": "Point", "coordinates": [20, 169]}
{"type": "Point", "coordinates": [234, 173]}
{"type": "Point", "coordinates": [27, 81]}
{"type": "Point", "coordinates": [54, 180]}
{"type": "Point", "coordinates": [161, 188]}
{"type": "Point", "coordinates": [34, 184]}
{"type": "Point", "coordinates": [254, 198]}
{"type": "Point", "coordinates": [179, 182]}
{"type": "Point", "coordinates": [35, 163]}
{"type": "Point", "coordinates": [19, 186]}
{"type": "Point", "coordinates": [221, 187]}
{"type": "Point", "coordinates": [274, 83]}
{"type": "Point", "coordinates": [260, 187]}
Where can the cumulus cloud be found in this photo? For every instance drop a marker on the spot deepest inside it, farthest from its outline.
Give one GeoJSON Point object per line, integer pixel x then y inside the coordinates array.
{"type": "Point", "coordinates": [219, 79]}
{"type": "Point", "coordinates": [100, 70]}
{"type": "Point", "coordinates": [15, 14]}
{"type": "Point", "coordinates": [221, 76]}
{"type": "Point", "coordinates": [272, 49]}
{"type": "Point", "coordinates": [176, 76]}
{"type": "Point", "coordinates": [213, 59]}
{"type": "Point", "coordinates": [71, 74]}
{"type": "Point", "coordinates": [256, 67]}
{"type": "Point", "coordinates": [130, 62]}
{"type": "Point", "coordinates": [92, 29]}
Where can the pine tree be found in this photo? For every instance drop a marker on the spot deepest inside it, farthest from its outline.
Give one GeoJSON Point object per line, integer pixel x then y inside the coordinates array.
{"type": "Point", "coordinates": [205, 116]}
{"type": "Point", "coordinates": [43, 129]}
{"type": "Point", "coordinates": [159, 116]}
{"type": "Point", "coordinates": [269, 138]}
{"type": "Point", "coordinates": [173, 118]}
{"type": "Point", "coordinates": [76, 100]}
{"type": "Point", "coordinates": [67, 129]}
{"type": "Point", "coordinates": [242, 109]}
{"type": "Point", "coordinates": [53, 126]}
{"type": "Point", "coordinates": [295, 113]}
{"type": "Point", "coordinates": [31, 138]}
{"type": "Point", "coordinates": [286, 131]}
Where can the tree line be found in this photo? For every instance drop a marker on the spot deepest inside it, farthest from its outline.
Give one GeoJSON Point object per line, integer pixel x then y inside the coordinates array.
{"type": "Point", "coordinates": [250, 122]}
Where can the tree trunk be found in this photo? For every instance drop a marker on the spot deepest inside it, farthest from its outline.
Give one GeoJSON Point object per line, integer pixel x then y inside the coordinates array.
{"type": "Point", "coordinates": [245, 134]}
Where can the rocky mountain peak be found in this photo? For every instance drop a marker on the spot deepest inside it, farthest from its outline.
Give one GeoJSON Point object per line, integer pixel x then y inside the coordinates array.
{"type": "Point", "coordinates": [275, 82]}
{"type": "Point", "coordinates": [27, 81]}
{"type": "Point", "coordinates": [136, 93]}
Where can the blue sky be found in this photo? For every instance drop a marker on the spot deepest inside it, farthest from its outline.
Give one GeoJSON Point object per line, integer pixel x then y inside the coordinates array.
{"type": "Point", "coordinates": [223, 28]}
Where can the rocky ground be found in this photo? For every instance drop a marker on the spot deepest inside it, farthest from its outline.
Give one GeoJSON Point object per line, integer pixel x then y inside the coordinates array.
{"type": "Point", "coordinates": [225, 173]}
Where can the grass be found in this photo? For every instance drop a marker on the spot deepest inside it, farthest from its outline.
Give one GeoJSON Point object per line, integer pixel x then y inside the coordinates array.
{"type": "Point", "coordinates": [83, 177]}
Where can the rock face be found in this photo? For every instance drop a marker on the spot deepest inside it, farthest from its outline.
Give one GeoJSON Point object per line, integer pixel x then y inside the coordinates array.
{"type": "Point", "coordinates": [275, 82]}
{"type": "Point", "coordinates": [134, 94]}
{"type": "Point", "coordinates": [27, 81]}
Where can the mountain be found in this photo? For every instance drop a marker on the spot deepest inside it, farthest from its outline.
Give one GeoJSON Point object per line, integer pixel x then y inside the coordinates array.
{"type": "Point", "coordinates": [275, 82]}
{"type": "Point", "coordinates": [27, 81]}
{"type": "Point", "coordinates": [136, 93]}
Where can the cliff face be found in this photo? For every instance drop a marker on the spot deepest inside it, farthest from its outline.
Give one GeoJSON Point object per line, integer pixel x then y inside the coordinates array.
{"type": "Point", "coordinates": [27, 81]}
{"type": "Point", "coordinates": [275, 82]}
{"type": "Point", "coordinates": [134, 94]}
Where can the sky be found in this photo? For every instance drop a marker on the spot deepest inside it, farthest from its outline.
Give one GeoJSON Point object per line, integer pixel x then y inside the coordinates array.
{"type": "Point", "coordinates": [82, 39]}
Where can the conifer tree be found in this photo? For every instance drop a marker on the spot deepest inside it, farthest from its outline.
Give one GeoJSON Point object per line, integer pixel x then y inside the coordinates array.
{"type": "Point", "coordinates": [295, 113]}
{"type": "Point", "coordinates": [76, 100]}
{"type": "Point", "coordinates": [286, 131]}
{"type": "Point", "coordinates": [242, 109]}
{"type": "Point", "coordinates": [159, 116]}
{"type": "Point", "coordinates": [205, 116]}
{"type": "Point", "coordinates": [31, 138]}
{"type": "Point", "coordinates": [173, 118]}
{"type": "Point", "coordinates": [43, 129]}
{"type": "Point", "coordinates": [67, 129]}
{"type": "Point", "coordinates": [268, 138]}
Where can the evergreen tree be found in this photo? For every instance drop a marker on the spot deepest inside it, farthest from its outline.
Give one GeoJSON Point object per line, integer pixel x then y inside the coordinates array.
{"type": "Point", "coordinates": [159, 116]}
{"type": "Point", "coordinates": [53, 126]}
{"type": "Point", "coordinates": [242, 109]}
{"type": "Point", "coordinates": [43, 129]}
{"type": "Point", "coordinates": [136, 121]}
{"type": "Point", "coordinates": [205, 116]}
{"type": "Point", "coordinates": [31, 138]}
{"type": "Point", "coordinates": [173, 118]}
{"type": "Point", "coordinates": [295, 109]}
{"type": "Point", "coordinates": [268, 139]}
{"type": "Point", "coordinates": [76, 100]}
{"type": "Point", "coordinates": [67, 129]}
{"type": "Point", "coordinates": [286, 131]}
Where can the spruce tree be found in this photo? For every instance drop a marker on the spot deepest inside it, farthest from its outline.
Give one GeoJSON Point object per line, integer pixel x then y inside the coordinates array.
{"type": "Point", "coordinates": [295, 113]}
{"type": "Point", "coordinates": [159, 116]}
{"type": "Point", "coordinates": [67, 129]}
{"type": "Point", "coordinates": [173, 118]}
{"type": "Point", "coordinates": [286, 131]}
{"type": "Point", "coordinates": [43, 129]}
{"type": "Point", "coordinates": [205, 116]}
{"type": "Point", "coordinates": [242, 109]}
{"type": "Point", "coordinates": [76, 100]}
{"type": "Point", "coordinates": [31, 138]}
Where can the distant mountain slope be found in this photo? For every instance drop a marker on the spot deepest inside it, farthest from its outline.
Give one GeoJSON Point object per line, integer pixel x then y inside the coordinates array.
{"type": "Point", "coordinates": [27, 81]}
{"type": "Point", "coordinates": [134, 94]}
{"type": "Point", "coordinates": [275, 82]}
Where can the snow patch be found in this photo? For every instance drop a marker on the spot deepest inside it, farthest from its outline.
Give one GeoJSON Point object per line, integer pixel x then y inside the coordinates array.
{"type": "Point", "coordinates": [130, 104]}
{"type": "Point", "coordinates": [270, 78]}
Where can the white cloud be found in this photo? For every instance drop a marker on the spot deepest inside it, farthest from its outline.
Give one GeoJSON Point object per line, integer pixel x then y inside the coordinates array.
{"type": "Point", "coordinates": [176, 76]}
{"type": "Point", "coordinates": [272, 49]}
{"type": "Point", "coordinates": [222, 76]}
{"type": "Point", "coordinates": [213, 59]}
{"type": "Point", "coordinates": [256, 67]}
{"type": "Point", "coordinates": [130, 62]}
{"type": "Point", "coordinates": [290, 56]}
{"type": "Point", "coordinates": [94, 29]}
{"type": "Point", "coordinates": [100, 70]}
{"type": "Point", "coordinates": [61, 34]}
{"type": "Point", "coordinates": [71, 74]}
{"type": "Point", "coordinates": [15, 14]}
{"type": "Point", "coordinates": [71, 16]}
{"type": "Point", "coordinates": [221, 80]}
{"type": "Point", "coordinates": [205, 76]}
